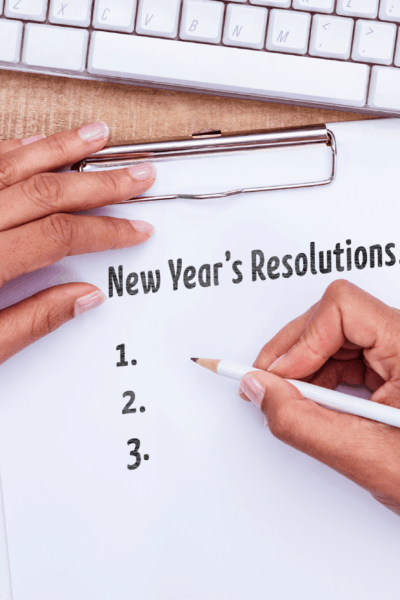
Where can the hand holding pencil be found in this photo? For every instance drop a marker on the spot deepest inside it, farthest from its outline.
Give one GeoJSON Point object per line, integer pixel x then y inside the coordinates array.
{"type": "Point", "coordinates": [347, 337]}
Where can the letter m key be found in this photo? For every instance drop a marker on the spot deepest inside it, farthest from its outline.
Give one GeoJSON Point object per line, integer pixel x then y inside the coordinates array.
{"type": "Point", "coordinates": [282, 37]}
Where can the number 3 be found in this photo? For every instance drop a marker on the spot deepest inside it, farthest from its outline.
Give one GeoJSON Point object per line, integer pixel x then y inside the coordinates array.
{"type": "Point", "coordinates": [135, 453]}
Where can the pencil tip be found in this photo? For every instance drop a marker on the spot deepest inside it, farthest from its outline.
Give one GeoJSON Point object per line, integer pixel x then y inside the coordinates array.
{"type": "Point", "coordinates": [194, 359]}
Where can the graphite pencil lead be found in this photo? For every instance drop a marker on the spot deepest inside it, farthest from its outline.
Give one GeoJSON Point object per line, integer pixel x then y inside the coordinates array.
{"type": "Point", "coordinates": [194, 359]}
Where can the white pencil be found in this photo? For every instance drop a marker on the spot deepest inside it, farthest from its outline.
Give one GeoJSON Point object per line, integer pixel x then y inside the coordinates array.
{"type": "Point", "coordinates": [330, 398]}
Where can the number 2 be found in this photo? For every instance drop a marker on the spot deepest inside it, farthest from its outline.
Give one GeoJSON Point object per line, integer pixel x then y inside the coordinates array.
{"type": "Point", "coordinates": [135, 453]}
{"type": "Point", "coordinates": [127, 409]}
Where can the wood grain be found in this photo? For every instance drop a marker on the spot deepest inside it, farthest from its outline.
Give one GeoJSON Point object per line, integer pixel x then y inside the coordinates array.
{"type": "Point", "coordinates": [32, 104]}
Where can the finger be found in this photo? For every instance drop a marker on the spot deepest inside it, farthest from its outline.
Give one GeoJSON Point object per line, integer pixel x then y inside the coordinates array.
{"type": "Point", "coordinates": [31, 319]}
{"type": "Point", "coordinates": [372, 379]}
{"type": "Point", "coordinates": [10, 145]}
{"type": "Point", "coordinates": [283, 340]}
{"type": "Point", "coordinates": [388, 393]}
{"type": "Point", "coordinates": [50, 193]}
{"type": "Point", "coordinates": [337, 372]}
{"type": "Point", "coordinates": [349, 372]}
{"type": "Point", "coordinates": [51, 153]}
{"type": "Point", "coordinates": [352, 445]}
{"type": "Point", "coordinates": [48, 240]}
{"type": "Point", "coordinates": [347, 353]}
{"type": "Point", "coordinates": [345, 313]}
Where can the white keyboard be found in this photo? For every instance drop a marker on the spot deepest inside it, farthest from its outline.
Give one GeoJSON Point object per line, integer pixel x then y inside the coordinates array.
{"type": "Point", "coordinates": [331, 53]}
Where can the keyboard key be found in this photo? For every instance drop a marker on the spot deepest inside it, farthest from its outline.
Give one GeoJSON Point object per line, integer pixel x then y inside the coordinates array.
{"type": "Point", "coordinates": [397, 54]}
{"type": "Point", "coordinates": [202, 21]}
{"type": "Point", "coordinates": [390, 10]}
{"type": "Point", "coordinates": [277, 3]}
{"type": "Point", "coordinates": [115, 15]}
{"type": "Point", "coordinates": [10, 40]}
{"type": "Point", "coordinates": [322, 6]}
{"type": "Point", "coordinates": [32, 10]}
{"type": "Point", "coordinates": [235, 70]}
{"type": "Point", "coordinates": [385, 88]}
{"type": "Point", "coordinates": [331, 37]}
{"type": "Point", "coordinates": [158, 17]}
{"type": "Point", "coordinates": [374, 42]}
{"type": "Point", "coordinates": [358, 8]}
{"type": "Point", "coordinates": [288, 31]}
{"type": "Point", "coordinates": [71, 12]}
{"type": "Point", "coordinates": [245, 26]}
{"type": "Point", "coordinates": [55, 47]}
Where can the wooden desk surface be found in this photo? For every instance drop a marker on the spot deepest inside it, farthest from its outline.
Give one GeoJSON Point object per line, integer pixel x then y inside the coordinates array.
{"type": "Point", "coordinates": [32, 104]}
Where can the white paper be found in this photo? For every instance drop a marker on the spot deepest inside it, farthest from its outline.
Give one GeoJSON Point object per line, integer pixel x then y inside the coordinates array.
{"type": "Point", "coordinates": [221, 510]}
{"type": "Point", "coordinates": [5, 582]}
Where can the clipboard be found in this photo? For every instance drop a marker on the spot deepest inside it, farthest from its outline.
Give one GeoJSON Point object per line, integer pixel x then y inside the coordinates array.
{"type": "Point", "coordinates": [214, 143]}
{"type": "Point", "coordinates": [211, 461]}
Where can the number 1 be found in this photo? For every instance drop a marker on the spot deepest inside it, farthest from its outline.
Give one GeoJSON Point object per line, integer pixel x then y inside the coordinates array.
{"type": "Point", "coordinates": [122, 362]}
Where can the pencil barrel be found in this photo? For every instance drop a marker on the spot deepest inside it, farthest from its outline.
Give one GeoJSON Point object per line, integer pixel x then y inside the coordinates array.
{"type": "Point", "coordinates": [349, 404]}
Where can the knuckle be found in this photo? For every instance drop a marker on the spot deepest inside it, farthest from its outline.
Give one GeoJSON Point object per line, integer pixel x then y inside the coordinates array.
{"type": "Point", "coordinates": [112, 182]}
{"type": "Point", "coordinates": [58, 146]}
{"type": "Point", "coordinates": [8, 174]}
{"type": "Point", "coordinates": [44, 320]}
{"type": "Point", "coordinates": [44, 189]}
{"type": "Point", "coordinates": [60, 228]}
{"type": "Point", "coordinates": [341, 288]}
{"type": "Point", "coordinates": [112, 230]}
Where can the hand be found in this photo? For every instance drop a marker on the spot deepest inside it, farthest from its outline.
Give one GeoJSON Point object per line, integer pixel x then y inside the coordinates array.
{"type": "Point", "coordinates": [37, 229]}
{"type": "Point", "coordinates": [347, 337]}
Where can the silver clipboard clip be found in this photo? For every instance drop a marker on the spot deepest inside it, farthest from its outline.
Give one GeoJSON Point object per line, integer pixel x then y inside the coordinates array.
{"type": "Point", "coordinates": [209, 143]}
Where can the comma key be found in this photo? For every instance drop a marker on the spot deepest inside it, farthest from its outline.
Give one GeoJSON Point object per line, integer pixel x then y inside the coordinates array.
{"type": "Point", "coordinates": [331, 37]}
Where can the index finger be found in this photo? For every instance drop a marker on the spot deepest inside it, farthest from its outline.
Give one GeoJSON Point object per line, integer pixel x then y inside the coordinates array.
{"type": "Point", "coordinates": [283, 340]}
{"type": "Point", "coordinates": [51, 153]}
{"type": "Point", "coordinates": [345, 313]}
{"type": "Point", "coordinates": [9, 145]}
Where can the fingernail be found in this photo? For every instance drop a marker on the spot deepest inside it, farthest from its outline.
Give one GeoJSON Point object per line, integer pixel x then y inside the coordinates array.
{"type": "Point", "coordinates": [89, 301]}
{"type": "Point", "coordinates": [266, 423]}
{"type": "Point", "coordinates": [253, 389]}
{"type": "Point", "coordinates": [32, 139]}
{"type": "Point", "coordinates": [94, 132]}
{"type": "Point", "coordinates": [144, 172]}
{"type": "Point", "coordinates": [275, 362]}
{"type": "Point", "coordinates": [143, 227]}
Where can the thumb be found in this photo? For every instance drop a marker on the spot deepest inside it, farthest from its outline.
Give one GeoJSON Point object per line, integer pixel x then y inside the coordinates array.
{"type": "Point", "coordinates": [340, 440]}
{"type": "Point", "coordinates": [287, 413]}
